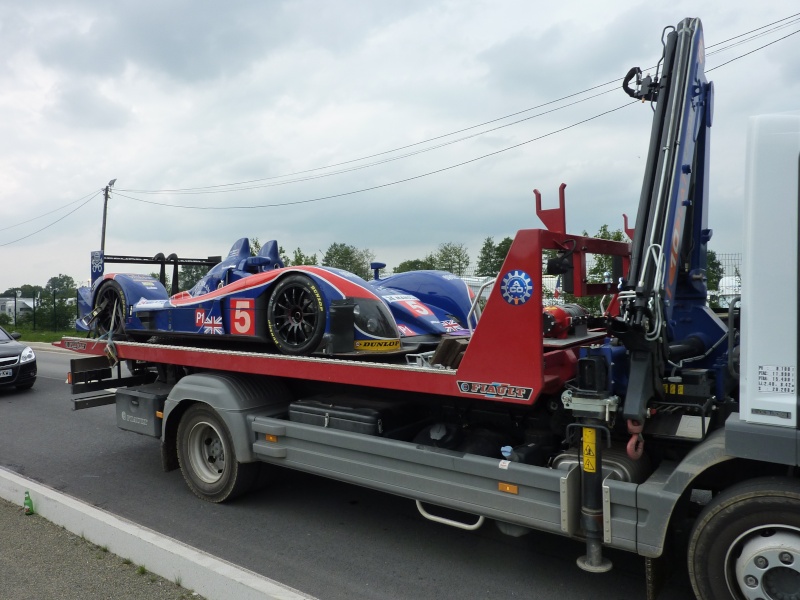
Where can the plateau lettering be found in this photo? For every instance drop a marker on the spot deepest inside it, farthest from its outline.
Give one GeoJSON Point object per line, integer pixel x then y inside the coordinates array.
{"type": "Point", "coordinates": [495, 390]}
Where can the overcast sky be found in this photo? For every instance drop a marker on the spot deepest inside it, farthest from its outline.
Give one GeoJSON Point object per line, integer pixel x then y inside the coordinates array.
{"type": "Point", "coordinates": [176, 94]}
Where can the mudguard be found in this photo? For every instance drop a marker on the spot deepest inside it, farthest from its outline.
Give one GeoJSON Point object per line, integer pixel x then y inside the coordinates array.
{"type": "Point", "coordinates": [436, 289]}
{"type": "Point", "coordinates": [135, 287]}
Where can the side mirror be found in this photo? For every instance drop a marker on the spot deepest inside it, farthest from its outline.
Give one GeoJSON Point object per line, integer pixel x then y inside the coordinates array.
{"type": "Point", "coordinates": [376, 269]}
{"type": "Point", "coordinates": [16, 335]}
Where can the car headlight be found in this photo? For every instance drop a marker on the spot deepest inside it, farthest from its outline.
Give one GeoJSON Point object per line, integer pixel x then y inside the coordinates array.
{"type": "Point", "coordinates": [27, 355]}
{"type": "Point", "coordinates": [374, 319]}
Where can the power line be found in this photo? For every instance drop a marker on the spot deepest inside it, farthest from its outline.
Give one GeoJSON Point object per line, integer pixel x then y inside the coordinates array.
{"type": "Point", "coordinates": [752, 51]}
{"type": "Point", "coordinates": [45, 214]}
{"type": "Point", "coordinates": [211, 189]}
{"type": "Point", "coordinates": [53, 223]}
{"type": "Point", "coordinates": [756, 29]}
{"type": "Point", "coordinates": [352, 192]}
{"type": "Point", "coordinates": [384, 185]}
{"type": "Point", "coordinates": [785, 22]}
{"type": "Point", "coordinates": [357, 168]}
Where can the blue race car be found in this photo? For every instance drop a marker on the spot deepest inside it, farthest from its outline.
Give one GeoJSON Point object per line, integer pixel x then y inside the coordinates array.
{"type": "Point", "coordinates": [301, 310]}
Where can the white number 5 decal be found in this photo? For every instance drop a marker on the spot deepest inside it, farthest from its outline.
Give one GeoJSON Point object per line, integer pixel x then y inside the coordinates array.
{"type": "Point", "coordinates": [418, 307]}
{"type": "Point", "coordinates": [242, 316]}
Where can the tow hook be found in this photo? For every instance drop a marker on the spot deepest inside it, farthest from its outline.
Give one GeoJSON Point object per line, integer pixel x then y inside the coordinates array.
{"type": "Point", "coordinates": [636, 443]}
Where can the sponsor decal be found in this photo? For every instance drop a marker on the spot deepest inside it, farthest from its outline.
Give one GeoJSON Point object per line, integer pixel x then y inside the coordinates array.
{"type": "Point", "coordinates": [213, 325]}
{"type": "Point", "coordinates": [451, 325]}
{"type": "Point", "coordinates": [154, 303]}
{"type": "Point", "coordinates": [406, 331]}
{"type": "Point", "coordinates": [450, 276]}
{"type": "Point", "coordinates": [398, 297]}
{"type": "Point", "coordinates": [495, 390]}
{"type": "Point", "coordinates": [75, 345]}
{"type": "Point", "coordinates": [377, 345]}
{"type": "Point", "coordinates": [517, 287]}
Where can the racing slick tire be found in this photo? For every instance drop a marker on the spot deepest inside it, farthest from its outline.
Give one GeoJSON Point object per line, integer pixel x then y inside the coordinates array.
{"type": "Point", "coordinates": [746, 542]}
{"type": "Point", "coordinates": [296, 315]}
{"type": "Point", "coordinates": [207, 458]}
{"type": "Point", "coordinates": [112, 316]}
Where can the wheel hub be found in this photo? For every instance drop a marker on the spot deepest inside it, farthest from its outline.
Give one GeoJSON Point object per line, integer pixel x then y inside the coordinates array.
{"type": "Point", "coordinates": [768, 567]}
{"type": "Point", "coordinates": [206, 452]}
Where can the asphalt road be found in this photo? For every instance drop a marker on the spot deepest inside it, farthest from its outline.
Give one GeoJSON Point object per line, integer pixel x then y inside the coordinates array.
{"type": "Point", "coordinates": [328, 539]}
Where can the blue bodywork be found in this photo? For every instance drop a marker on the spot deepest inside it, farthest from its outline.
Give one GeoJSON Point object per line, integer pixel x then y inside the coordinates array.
{"type": "Point", "coordinates": [401, 312]}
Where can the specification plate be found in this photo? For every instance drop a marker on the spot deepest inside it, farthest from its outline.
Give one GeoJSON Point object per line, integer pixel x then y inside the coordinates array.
{"type": "Point", "coordinates": [774, 379]}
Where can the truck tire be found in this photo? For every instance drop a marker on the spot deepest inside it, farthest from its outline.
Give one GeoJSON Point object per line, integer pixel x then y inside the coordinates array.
{"type": "Point", "coordinates": [296, 315]}
{"type": "Point", "coordinates": [746, 543]}
{"type": "Point", "coordinates": [112, 317]}
{"type": "Point", "coordinates": [207, 458]}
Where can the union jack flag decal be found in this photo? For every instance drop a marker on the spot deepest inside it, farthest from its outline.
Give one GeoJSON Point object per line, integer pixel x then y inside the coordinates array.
{"type": "Point", "coordinates": [213, 325]}
{"type": "Point", "coordinates": [451, 325]}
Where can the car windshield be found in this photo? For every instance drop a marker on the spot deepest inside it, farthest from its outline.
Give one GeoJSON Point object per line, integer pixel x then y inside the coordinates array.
{"type": "Point", "coordinates": [4, 335]}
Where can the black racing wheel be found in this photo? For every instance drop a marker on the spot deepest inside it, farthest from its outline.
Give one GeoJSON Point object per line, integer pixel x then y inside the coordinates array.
{"type": "Point", "coordinates": [296, 315]}
{"type": "Point", "coordinates": [110, 299]}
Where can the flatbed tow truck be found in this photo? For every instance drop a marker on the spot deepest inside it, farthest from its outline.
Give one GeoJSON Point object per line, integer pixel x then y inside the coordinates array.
{"type": "Point", "coordinates": [667, 417]}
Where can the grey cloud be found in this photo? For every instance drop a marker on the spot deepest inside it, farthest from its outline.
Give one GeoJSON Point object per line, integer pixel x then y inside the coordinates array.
{"type": "Point", "coordinates": [76, 105]}
{"type": "Point", "coordinates": [199, 41]}
{"type": "Point", "coordinates": [569, 57]}
{"type": "Point", "coordinates": [190, 41]}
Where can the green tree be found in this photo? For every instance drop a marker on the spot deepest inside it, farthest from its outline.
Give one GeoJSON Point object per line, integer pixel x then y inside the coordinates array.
{"type": "Point", "coordinates": [714, 270]}
{"type": "Point", "coordinates": [349, 258]}
{"type": "Point", "coordinates": [417, 264]}
{"type": "Point", "coordinates": [300, 258]}
{"type": "Point", "coordinates": [61, 284]}
{"type": "Point", "coordinates": [492, 256]}
{"type": "Point", "coordinates": [486, 258]}
{"type": "Point", "coordinates": [452, 257]}
{"type": "Point", "coordinates": [503, 246]}
{"type": "Point", "coordinates": [188, 275]}
{"type": "Point", "coordinates": [26, 291]}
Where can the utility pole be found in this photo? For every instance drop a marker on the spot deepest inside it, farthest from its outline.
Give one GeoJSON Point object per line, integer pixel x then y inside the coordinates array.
{"type": "Point", "coordinates": [105, 211]}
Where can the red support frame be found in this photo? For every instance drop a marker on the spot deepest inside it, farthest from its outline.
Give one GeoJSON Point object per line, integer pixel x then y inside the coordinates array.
{"type": "Point", "coordinates": [507, 359]}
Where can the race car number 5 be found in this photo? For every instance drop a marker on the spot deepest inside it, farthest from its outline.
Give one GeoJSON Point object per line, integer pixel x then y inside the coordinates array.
{"type": "Point", "coordinates": [242, 316]}
{"type": "Point", "coordinates": [417, 307]}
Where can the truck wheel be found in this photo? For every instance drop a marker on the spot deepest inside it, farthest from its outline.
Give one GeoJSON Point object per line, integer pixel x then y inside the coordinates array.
{"type": "Point", "coordinates": [746, 543]}
{"type": "Point", "coordinates": [112, 316]}
{"type": "Point", "coordinates": [296, 315]}
{"type": "Point", "coordinates": [207, 458]}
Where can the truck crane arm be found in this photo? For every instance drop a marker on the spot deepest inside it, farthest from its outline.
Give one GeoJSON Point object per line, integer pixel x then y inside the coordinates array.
{"type": "Point", "coordinates": [664, 319]}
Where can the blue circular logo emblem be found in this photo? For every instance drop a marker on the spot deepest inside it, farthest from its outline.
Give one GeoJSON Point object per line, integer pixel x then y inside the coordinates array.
{"type": "Point", "coordinates": [517, 287]}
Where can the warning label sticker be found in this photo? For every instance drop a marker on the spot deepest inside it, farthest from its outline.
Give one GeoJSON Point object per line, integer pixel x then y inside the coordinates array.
{"type": "Point", "coordinates": [589, 450]}
{"type": "Point", "coordinates": [773, 379]}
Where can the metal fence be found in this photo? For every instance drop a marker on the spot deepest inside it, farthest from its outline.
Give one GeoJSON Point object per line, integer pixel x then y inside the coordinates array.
{"type": "Point", "coordinates": [49, 311]}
